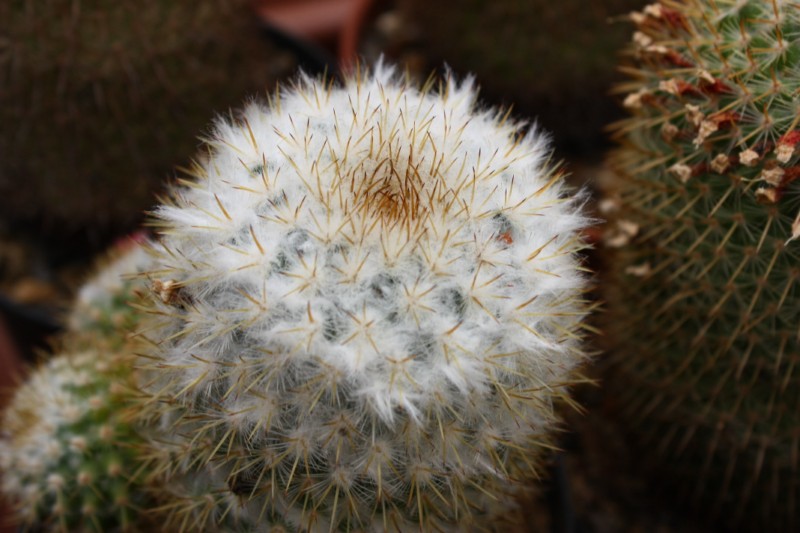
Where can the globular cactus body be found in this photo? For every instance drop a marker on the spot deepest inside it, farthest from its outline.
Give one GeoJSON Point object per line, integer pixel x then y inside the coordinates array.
{"type": "Point", "coordinates": [703, 268]}
{"type": "Point", "coordinates": [67, 454]}
{"type": "Point", "coordinates": [364, 307]}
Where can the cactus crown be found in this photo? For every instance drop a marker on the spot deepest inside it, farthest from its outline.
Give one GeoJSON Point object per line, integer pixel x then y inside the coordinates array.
{"type": "Point", "coordinates": [718, 81]}
{"type": "Point", "coordinates": [365, 303]}
{"type": "Point", "coordinates": [703, 238]}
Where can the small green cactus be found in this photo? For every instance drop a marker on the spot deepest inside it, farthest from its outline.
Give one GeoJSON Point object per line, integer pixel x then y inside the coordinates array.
{"type": "Point", "coordinates": [364, 308]}
{"type": "Point", "coordinates": [67, 454]}
{"type": "Point", "coordinates": [99, 100]}
{"type": "Point", "coordinates": [703, 267]}
{"type": "Point", "coordinates": [103, 306]}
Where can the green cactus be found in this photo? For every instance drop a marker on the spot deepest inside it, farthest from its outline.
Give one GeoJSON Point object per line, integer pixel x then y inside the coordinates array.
{"type": "Point", "coordinates": [552, 60]}
{"type": "Point", "coordinates": [702, 262]}
{"type": "Point", "coordinates": [104, 306]}
{"type": "Point", "coordinates": [364, 306]}
{"type": "Point", "coordinates": [99, 99]}
{"type": "Point", "coordinates": [67, 453]}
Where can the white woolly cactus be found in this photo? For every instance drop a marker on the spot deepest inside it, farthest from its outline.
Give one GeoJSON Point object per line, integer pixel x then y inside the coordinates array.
{"type": "Point", "coordinates": [364, 307]}
{"type": "Point", "coordinates": [66, 453]}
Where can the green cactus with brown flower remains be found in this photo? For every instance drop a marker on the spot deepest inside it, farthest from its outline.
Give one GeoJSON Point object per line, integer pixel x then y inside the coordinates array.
{"type": "Point", "coordinates": [703, 268]}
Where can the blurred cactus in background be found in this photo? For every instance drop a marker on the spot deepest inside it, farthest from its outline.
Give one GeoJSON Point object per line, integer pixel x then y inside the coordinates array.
{"type": "Point", "coordinates": [702, 266]}
{"type": "Point", "coordinates": [552, 60]}
{"type": "Point", "coordinates": [364, 306]}
{"type": "Point", "coordinates": [67, 454]}
{"type": "Point", "coordinates": [103, 306]}
{"type": "Point", "coordinates": [99, 100]}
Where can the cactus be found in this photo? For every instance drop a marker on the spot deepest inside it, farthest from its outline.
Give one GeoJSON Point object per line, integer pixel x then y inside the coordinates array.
{"type": "Point", "coordinates": [701, 254]}
{"type": "Point", "coordinates": [364, 307]}
{"type": "Point", "coordinates": [551, 59]}
{"type": "Point", "coordinates": [103, 306]}
{"type": "Point", "coordinates": [66, 452]}
{"type": "Point", "coordinates": [100, 99]}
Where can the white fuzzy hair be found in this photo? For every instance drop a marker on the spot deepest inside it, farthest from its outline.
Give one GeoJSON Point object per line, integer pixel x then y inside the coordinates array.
{"type": "Point", "coordinates": [388, 260]}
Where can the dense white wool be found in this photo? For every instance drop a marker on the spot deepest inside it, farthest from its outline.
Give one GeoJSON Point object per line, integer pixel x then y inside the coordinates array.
{"type": "Point", "coordinates": [391, 262]}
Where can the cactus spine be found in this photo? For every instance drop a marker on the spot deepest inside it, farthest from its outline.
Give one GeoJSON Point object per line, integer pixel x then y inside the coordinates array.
{"type": "Point", "coordinates": [364, 307]}
{"type": "Point", "coordinates": [702, 238]}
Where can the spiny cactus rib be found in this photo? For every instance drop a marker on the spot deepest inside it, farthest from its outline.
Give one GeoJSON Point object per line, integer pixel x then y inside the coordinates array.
{"type": "Point", "coordinates": [365, 304]}
{"type": "Point", "coordinates": [66, 453]}
{"type": "Point", "coordinates": [704, 218]}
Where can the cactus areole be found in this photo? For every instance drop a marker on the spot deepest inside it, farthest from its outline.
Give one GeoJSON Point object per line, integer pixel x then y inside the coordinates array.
{"type": "Point", "coordinates": [364, 304]}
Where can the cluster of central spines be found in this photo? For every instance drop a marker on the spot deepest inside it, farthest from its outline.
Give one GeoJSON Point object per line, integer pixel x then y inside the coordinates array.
{"type": "Point", "coordinates": [364, 307]}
